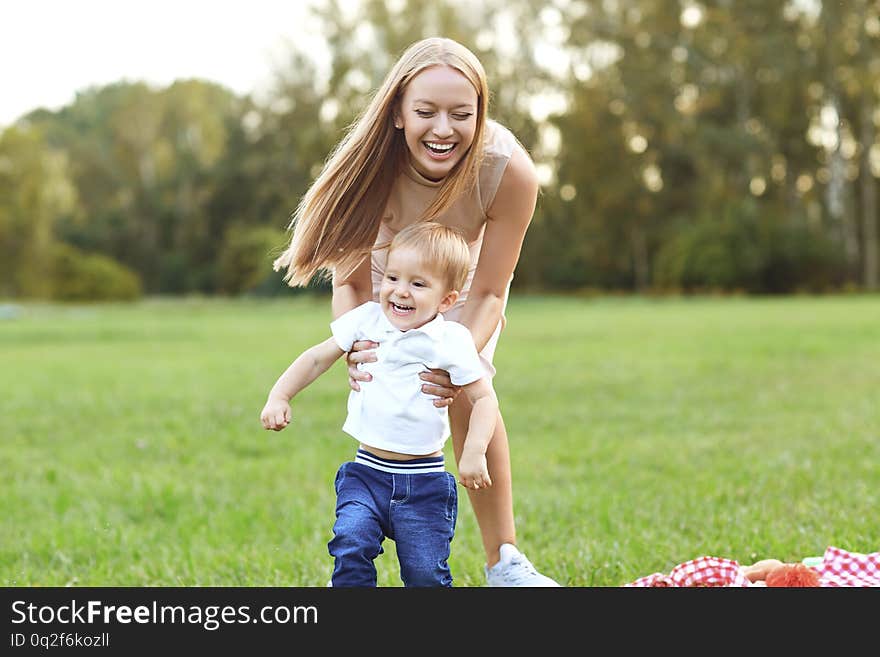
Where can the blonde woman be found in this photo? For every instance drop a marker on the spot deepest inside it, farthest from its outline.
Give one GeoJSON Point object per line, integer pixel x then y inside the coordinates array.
{"type": "Point", "coordinates": [425, 149]}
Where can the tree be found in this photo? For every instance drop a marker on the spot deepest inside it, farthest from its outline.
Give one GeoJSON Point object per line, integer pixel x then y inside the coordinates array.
{"type": "Point", "coordinates": [35, 188]}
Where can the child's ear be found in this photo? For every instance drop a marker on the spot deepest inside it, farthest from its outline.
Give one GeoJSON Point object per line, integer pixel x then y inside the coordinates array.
{"type": "Point", "coordinates": [448, 301]}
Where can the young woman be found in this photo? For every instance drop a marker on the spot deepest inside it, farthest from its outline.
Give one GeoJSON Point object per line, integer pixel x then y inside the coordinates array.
{"type": "Point", "coordinates": [424, 148]}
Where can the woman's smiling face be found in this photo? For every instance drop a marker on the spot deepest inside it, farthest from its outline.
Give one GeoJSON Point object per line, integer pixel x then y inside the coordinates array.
{"type": "Point", "coordinates": [438, 114]}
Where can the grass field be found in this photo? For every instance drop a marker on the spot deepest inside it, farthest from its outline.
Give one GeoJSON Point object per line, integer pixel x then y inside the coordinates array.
{"type": "Point", "coordinates": [643, 433]}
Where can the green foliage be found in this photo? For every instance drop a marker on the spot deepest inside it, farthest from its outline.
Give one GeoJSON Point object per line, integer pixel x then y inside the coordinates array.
{"type": "Point", "coordinates": [713, 254]}
{"type": "Point", "coordinates": [798, 259]}
{"type": "Point", "coordinates": [35, 188]}
{"type": "Point", "coordinates": [147, 163]}
{"type": "Point", "coordinates": [245, 260]}
{"type": "Point", "coordinates": [78, 276]}
{"type": "Point", "coordinates": [748, 251]}
{"type": "Point", "coordinates": [643, 124]}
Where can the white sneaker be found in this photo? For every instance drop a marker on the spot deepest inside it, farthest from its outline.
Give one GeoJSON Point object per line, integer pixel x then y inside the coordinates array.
{"type": "Point", "coordinates": [515, 570]}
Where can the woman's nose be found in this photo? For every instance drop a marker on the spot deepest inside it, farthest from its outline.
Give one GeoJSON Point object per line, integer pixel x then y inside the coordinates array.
{"type": "Point", "coordinates": [442, 127]}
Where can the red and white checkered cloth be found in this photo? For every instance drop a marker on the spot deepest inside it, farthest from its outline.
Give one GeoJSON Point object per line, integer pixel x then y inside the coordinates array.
{"type": "Point", "coordinates": [702, 571]}
{"type": "Point", "coordinates": [838, 568]}
{"type": "Point", "coordinates": [842, 568]}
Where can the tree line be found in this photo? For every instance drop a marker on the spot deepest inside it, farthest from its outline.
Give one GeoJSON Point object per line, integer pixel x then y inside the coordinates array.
{"type": "Point", "coordinates": [682, 145]}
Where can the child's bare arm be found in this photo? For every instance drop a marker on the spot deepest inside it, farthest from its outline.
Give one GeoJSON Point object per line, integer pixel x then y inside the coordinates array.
{"type": "Point", "coordinates": [473, 471]}
{"type": "Point", "coordinates": [308, 366]}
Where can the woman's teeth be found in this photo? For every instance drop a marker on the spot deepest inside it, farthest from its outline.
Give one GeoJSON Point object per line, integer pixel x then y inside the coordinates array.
{"type": "Point", "coordinates": [440, 149]}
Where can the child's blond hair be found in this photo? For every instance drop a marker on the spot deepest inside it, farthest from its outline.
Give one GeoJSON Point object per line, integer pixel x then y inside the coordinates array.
{"type": "Point", "coordinates": [443, 249]}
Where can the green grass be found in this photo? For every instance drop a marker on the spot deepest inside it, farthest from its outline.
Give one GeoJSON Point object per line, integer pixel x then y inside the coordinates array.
{"type": "Point", "coordinates": [643, 433]}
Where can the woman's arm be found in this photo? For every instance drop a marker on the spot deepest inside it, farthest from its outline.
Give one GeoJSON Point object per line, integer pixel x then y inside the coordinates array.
{"type": "Point", "coordinates": [508, 219]}
{"type": "Point", "coordinates": [353, 290]}
{"type": "Point", "coordinates": [348, 293]}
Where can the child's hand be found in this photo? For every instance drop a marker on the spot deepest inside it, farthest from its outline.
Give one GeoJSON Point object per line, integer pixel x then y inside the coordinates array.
{"type": "Point", "coordinates": [473, 473]}
{"type": "Point", "coordinates": [275, 415]}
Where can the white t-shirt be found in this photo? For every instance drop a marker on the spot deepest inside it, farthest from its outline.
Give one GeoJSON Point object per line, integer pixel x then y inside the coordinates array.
{"type": "Point", "coordinates": [391, 412]}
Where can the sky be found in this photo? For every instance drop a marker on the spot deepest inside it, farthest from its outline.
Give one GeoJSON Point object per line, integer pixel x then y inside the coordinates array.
{"type": "Point", "coordinates": [50, 49]}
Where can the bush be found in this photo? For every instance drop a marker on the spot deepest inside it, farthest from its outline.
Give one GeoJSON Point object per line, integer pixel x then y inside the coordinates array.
{"type": "Point", "coordinates": [80, 276]}
{"type": "Point", "coordinates": [796, 260]}
{"type": "Point", "coordinates": [710, 255]}
{"type": "Point", "coordinates": [245, 260]}
{"type": "Point", "coordinates": [742, 251]}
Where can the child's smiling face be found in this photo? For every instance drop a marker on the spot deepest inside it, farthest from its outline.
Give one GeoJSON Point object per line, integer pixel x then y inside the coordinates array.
{"type": "Point", "coordinates": [412, 293]}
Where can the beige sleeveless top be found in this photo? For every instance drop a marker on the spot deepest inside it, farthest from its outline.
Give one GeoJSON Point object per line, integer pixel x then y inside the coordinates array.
{"type": "Point", "coordinates": [412, 193]}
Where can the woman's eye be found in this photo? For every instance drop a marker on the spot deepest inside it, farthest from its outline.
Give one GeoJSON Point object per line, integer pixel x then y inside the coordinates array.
{"type": "Point", "coordinates": [393, 279]}
{"type": "Point", "coordinates": [461, 117]}
{"type": "Point", "coordinates": [424, 113]}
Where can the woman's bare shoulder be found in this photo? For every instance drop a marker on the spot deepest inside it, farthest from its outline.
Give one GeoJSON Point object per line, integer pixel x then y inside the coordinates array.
{"type": "Point", "coordinates": [519, 182]}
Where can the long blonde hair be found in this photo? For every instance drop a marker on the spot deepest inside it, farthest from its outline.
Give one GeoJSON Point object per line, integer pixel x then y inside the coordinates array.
{"type": "Point", "coordinates": [336, 223]}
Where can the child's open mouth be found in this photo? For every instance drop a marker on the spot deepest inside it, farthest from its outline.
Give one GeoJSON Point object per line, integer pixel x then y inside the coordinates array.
{"type": "Point", "coordinates": [398, 309]}
{"type": "Point", "coordinates": [438, 150]}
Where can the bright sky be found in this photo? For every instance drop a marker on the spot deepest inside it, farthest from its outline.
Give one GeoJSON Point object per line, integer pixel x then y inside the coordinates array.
{"type": "Point", "coordinates": [49, 49]}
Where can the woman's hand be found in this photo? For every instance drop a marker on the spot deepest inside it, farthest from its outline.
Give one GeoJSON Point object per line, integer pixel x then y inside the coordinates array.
{"type": "Point", "coordinates": [439, 384]}
{"type": "Point", "coordinates": [362, 351]}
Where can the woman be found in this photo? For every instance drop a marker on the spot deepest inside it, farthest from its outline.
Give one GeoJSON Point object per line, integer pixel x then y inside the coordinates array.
{"type": "Point", "coordinates": [425, 149]}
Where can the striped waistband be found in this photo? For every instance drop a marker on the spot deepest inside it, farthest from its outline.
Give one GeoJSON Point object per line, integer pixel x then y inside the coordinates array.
{"type": "Point", "coordinates": [415, 466]}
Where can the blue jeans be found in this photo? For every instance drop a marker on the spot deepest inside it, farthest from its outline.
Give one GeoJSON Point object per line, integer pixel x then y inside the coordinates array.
{"type": "Point", "coordinates": [416, 511]}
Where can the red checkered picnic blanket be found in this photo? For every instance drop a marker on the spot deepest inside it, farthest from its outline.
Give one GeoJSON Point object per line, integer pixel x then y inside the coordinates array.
{"type": "Point", "coordinates": [838, 568]}
{"type": "Point", "coordinates": [842, 568]}
{"type": "Point", "coordinates": [702, 571]}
